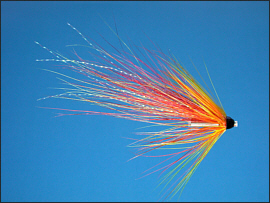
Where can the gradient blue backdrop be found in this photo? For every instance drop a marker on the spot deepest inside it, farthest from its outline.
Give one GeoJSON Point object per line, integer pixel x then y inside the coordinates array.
{"type": "Point", "coordinates": [84, 158]}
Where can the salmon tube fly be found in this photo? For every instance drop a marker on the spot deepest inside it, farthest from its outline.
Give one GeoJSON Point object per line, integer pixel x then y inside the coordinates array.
{"type": "Point", "coordinates": [148, 86]}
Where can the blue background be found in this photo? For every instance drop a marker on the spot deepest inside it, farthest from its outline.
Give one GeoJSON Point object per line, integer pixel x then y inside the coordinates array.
{"type": "Point", "coordinates": [84, 158]}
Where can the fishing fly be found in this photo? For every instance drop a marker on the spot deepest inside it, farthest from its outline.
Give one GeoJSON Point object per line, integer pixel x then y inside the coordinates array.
{"type": "Point", "coordinates": [149, 86]}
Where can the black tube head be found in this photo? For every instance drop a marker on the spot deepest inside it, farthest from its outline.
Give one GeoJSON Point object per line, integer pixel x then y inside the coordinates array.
{"type": "Point", "coordinates": [230, 123]}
